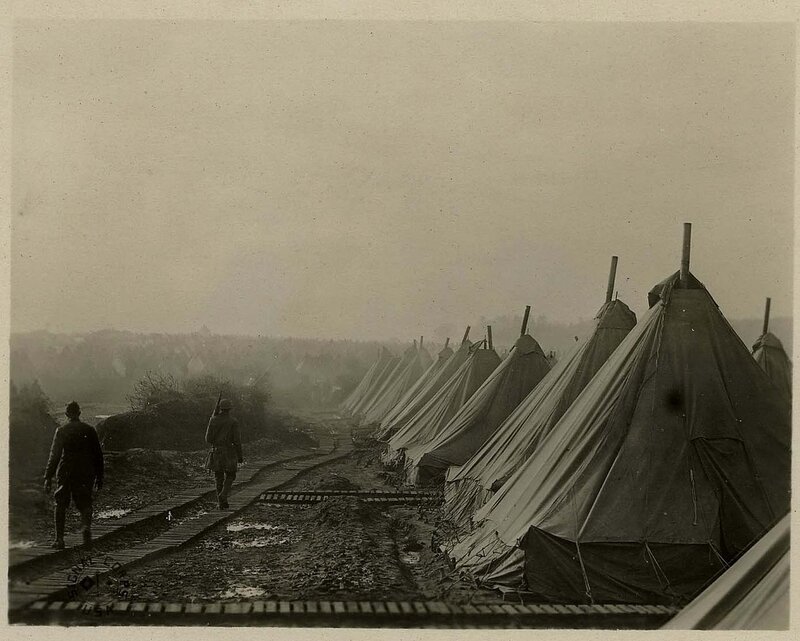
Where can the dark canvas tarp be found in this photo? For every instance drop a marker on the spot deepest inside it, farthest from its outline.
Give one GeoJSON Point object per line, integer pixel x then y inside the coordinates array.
{"type": "Point", "coordinates": [443, 405]}
{"type": "Point", "coordinates": [437, 375]}
{"type": "Point", "coordinates": [398, 384]}
{"type": "Point", "coordinates": [470, 485]}
{"type": "Point", "coordinates": [770, 355]}
{"type": "Point", "coordinates": [673, 459]}
{"type": "Point", "coordinates": [479, 417]}
{"type": "Point", "coordinates": [384, 356]}
{"type": "Point", "coordinates": [753, 594]}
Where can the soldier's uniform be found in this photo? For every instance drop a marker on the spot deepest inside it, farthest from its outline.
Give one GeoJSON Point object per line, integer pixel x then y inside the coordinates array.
{"type": "Point", "coordinates": [76, 460]}
{"type": "Point", "coordinates": [226, 450]}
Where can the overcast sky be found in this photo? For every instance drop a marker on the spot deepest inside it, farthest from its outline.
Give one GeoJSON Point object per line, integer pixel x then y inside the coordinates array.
{"type": "Point", "coordinates": [371, 180]}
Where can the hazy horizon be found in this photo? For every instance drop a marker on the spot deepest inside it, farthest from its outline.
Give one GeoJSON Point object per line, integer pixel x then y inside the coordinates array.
{"type": "Point", "coordinates": [380, 180]}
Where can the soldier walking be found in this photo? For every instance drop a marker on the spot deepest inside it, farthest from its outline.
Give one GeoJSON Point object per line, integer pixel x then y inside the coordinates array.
{"type": "Point", "coordinates": [226, 449]}
{"type": "Point", "coordinates": [76, 460]}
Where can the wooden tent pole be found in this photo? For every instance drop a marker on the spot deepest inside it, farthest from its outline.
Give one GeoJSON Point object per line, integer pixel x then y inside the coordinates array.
{"type": "Point", "coordinates": [525, 320]}
{"type": "Point", "coordinates": [421, 338]}
{"type": "Point", "coordinates": [446, 342]}
{"type": "Point", "coordinates": [687, 250]}
{"type": "Point", "coordinates": [466, 335]}
{"type": "Point", "coordinates": [766, 316]}
{"type": "Point", "coordinates": [489, 334]}
{"type": "Point", "coordinates": [611, 277]}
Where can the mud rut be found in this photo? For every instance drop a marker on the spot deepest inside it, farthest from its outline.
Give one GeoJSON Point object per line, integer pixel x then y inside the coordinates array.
{"type": "Point", "coordinates": [340, 549]}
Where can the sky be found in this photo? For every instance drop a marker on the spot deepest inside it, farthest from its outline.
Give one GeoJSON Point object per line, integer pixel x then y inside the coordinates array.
{"type": "Point", "coordinates": [378, 180]}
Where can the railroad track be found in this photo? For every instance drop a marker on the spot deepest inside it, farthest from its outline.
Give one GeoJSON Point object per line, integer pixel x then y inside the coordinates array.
{"type": "Point", "coordinates": [419, 614]}
{"type": "Point", "coordinates": [90, 568]}
{"type": "Point", "coordinates": [369, 496]}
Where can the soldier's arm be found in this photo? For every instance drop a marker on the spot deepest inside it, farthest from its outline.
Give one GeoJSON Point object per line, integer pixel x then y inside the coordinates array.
{"type": "Point", "coordinates": [55, 455]}
{"type": "Point", "coordinates": [237, 441]}
{"type": "Point", "coordinates": [97, 456]}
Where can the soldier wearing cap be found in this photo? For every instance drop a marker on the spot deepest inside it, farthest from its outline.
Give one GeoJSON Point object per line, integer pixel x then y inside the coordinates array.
{"type": "Point", "coordinates": [76, 460]}
{"type": "Point", "coordinates": [226, 450]}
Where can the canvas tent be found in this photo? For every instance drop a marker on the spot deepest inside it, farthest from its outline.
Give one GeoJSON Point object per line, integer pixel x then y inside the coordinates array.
{"type": "Point", "coordinates": [430, 383]}
{"type": "Point", "coordinates": [375, 386]}
{"type": "Point", "coordinates": [372, 374]}
{"type": "Point", "coordinates": [415, 361]}
{"type": "Point", "coordinates": [672, 460]}
{"type": "Point", "coordinates": [770, 355]}
{"type": "Point", "coordinates": [443, 405]}
{"type": "Point", "coordinates": [523, 368]}
{"type": "Point", "coordinates": [469, 486]}
{"type": "Point", "coordinates": [753, 594]}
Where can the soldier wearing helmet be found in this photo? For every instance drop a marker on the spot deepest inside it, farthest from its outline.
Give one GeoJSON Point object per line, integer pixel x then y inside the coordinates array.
{"type": "Point", "coordinates": [76, 460]}
{"type": "Point", "coordinates": [226, 450]}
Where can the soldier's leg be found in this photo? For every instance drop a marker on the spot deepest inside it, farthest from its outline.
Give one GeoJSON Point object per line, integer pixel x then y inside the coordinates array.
{"type": "Point", "coordinates": [82, 495]}
{"type": "Point", "coordinates": [226, 489]}
{"type": "Point", "coordinates": [219, 477]}
{"type": "Point", "coordinates": [61, 497]}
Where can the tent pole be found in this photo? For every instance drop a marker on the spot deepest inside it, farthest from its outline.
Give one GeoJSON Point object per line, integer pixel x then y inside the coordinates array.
{"type": "Point", "coordinates": [446, 342]}
{"type": "Point", "coordinates": [766, 316]}
{"type": "Point", "coordinates": [611, 277]}
{"type": "Point", "coordinates": [421, 338]}
{"type": "Point", "coordinates": [525, 320]}
{"type": "Point", "coordinates": [489, 334]}
{"type": "Point", "coordinates": [466, 335]}
{"type": "Point", "coordinates": [687, 250]}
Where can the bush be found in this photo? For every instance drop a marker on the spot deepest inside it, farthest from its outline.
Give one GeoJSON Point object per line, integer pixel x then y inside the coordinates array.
{"type": "Point", "coordinates": [31, 428]}
{"type": "Point", "coordinates": [168, 415]}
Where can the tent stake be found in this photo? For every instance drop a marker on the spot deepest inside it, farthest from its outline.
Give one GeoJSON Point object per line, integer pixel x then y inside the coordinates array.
{"type": "Point", "coordinates": [766, 316]}
{"type": "Point", "coordinates": [687, 250]}
{"type": "Point", "coordinates": [525, 320]}
{"type": "Point", "coordinates": [611, 277]}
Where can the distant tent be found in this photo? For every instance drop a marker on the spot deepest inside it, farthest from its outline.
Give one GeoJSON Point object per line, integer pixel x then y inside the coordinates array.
{"type": "Point", "coordinates": [196, 366]}
{"type": "Point", "coordinates": [523, 368]}
{"type": "Point", "coordinates": [673, 459]}
{"type": "Point", "coordinates": [470, 486]}
{"type": "Point", "coordinates": [384, 356]}
{"type": "Point", "coordinates": [770, 355]}
{"type": "Point", "coordinates": [443, 405]}
{"type": "Point", "coordinates": [118, 366]}
{"type": "Point", "coordinates": [430, 383]}
{"type": "Point", "coordinates": [407, 373]}
{"type": "Point", "coordinates": [375, 385]}
{"type": "Point", "coordinates": [753, 594]}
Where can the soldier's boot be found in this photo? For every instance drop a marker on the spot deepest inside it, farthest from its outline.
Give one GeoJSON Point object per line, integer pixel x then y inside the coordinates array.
{"type": "Point", "coordinates": [60, 522]}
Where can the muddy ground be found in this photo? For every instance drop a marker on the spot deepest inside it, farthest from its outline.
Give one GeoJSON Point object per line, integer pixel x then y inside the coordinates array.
{"type": "Point", "coordinates": [340, 549]}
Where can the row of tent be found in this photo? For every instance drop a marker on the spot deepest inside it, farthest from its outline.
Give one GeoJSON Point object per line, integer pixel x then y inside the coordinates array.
{"type": "Point", "coordinates": [634, 470]}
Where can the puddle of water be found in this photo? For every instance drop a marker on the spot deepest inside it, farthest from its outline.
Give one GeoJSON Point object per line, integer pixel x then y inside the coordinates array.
{"type": "Point", "coordinates": [263, 541]}
{"type": "Point", "coordinates": [239, 527]}
{"type": "Point", "coordinates": [411, 558]}
{"type": "Point", "coordinates": [111, 514]}
{"type": "Point", "coordinates": [243, 592]}
{"type": "Point", "coordinates": [21, 545]}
